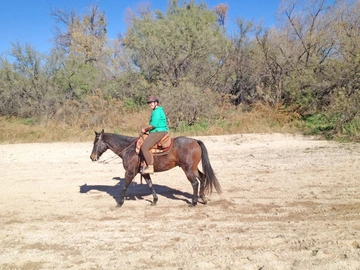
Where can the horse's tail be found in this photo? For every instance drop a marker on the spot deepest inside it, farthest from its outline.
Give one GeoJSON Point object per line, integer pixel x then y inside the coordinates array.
{"type": "Point", "coordinates": [210, 179]}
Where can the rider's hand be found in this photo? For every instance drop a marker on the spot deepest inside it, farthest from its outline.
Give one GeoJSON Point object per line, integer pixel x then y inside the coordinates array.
{"type": "Point", "coordinates": [146, 129]}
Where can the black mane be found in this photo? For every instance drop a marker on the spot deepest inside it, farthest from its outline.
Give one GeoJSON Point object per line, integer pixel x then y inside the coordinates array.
{"type": "Point", "coordinates": [122, 138]}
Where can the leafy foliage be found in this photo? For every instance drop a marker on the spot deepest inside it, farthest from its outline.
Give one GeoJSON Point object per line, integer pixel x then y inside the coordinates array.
{"type": "Point", "coordinates": [84, 35]}
{"type": "Point", "coordinates": [25, 87]}
{"type": "Point", "coordinates": [188, 104]}
{"type": "Point", "coordinates": [308, 66]}
{"type": "Point", "coordinates": [180, 43]}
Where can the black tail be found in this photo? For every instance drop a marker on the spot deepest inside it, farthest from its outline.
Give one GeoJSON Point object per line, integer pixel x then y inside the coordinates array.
{"type": "Point", "coordinates": [210, 178]}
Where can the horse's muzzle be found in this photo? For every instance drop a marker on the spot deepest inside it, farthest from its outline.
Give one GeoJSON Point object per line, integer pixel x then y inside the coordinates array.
{"type": "Point", "coordinates": [94, 157]}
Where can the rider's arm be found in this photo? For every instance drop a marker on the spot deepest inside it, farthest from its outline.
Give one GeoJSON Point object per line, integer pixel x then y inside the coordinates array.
{"type": "Point", "coordinates": [146, 129]}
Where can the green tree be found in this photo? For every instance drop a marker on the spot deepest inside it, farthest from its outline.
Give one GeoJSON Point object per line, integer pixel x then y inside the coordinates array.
{"type": "Point", "coordinates": [344, 70]}
{"type": "Point", "coordinates": [237, 75]}
{"type": "Point", "coordinates": [307, 46]}
{"type": "Point", "coordinates": [83, 35]}
{"type": "Point", "coordinates": [317, 54]}
{"type": "Point", "coordinates": [76, 79]}
{"type": "Point", "coordinates": [181, 43]}
{"type": "Point", "coordinates": [81, 53]}
{"type": "Point", "coordinates": [24, 84]}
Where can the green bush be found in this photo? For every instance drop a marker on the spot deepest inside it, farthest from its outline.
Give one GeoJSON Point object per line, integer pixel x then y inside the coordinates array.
{"type": "Point", "coordinates": [318, 124]}
{"type": "Point", "coordinates": [195, 129]}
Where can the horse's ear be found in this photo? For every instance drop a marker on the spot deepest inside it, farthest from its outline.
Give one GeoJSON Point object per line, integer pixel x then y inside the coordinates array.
{"type": "Point", "coordinates": [102, 131]}
{"type": "Point", "coordinates": [95, 132]}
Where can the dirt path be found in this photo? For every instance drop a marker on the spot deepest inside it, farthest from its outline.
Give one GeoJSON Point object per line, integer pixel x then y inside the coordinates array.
{"type": "Point", "coordinates": [289, 202]}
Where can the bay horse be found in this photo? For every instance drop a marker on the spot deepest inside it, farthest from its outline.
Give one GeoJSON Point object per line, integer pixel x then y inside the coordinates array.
{"type": "Point", "coordinates": [185, 153]}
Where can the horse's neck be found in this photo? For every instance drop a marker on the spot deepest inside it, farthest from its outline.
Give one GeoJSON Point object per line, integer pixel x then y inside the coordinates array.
{"type": "Point", "coordinates": [118, 143]}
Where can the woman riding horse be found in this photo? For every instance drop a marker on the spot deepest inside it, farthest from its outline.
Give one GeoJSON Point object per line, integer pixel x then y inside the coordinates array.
{"type": "Point", "coordinates": [157, 129]}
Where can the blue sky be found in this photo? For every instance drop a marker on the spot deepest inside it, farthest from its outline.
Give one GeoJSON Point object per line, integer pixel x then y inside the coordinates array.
{"type": "Point", "coordinates": [30, 21]}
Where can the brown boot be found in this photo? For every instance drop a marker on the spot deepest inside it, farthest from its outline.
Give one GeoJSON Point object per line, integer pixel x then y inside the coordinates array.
{"type": "Point", "coordinates": [148, 169]}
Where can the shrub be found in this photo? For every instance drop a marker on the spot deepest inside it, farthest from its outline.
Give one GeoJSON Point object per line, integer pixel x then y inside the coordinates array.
{"type": "Point", "coordinates": [187, 104]}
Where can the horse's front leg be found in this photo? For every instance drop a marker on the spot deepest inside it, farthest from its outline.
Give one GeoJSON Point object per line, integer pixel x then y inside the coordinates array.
{"type": "Point", "coordinates": [150, 185]}
{"type": "Point", "coordinates": [129, 176]}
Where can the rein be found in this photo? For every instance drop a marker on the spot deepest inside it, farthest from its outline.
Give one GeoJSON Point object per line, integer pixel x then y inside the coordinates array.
{"type": "Point", "coordinates": [107, 161]}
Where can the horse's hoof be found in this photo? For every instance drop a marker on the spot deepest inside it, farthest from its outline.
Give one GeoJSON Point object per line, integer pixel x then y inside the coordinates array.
{"type": "Point", "coordinates": [203, 200]}
{"type": "Point", "coordinates": [192, 204]}
{"type": "Point", "coordinates": [119, 205]}
{"type": "Point", "coordinates": [153, 203]}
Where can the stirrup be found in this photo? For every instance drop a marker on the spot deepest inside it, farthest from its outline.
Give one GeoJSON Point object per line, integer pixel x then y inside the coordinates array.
{"type": "Point", "coordinates": [148, 170]}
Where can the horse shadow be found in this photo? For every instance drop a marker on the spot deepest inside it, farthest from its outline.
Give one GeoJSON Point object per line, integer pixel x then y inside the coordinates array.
{"type": "Point", "coordinates": [137, 191]}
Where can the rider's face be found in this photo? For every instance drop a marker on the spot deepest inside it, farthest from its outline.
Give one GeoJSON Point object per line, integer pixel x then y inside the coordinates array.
{"type": "Point", "coordinates": [152, 104]}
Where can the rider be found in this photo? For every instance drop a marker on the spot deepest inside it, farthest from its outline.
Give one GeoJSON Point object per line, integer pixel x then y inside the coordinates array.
{"type": "Point", "coordinates": [157, 129]}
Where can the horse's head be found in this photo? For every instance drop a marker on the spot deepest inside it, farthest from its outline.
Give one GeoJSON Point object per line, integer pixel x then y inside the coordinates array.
{"type": "Point", "coordinates": [99, 146]}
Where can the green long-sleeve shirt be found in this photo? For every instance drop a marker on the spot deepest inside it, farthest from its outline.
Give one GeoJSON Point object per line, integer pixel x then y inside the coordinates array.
{"type": "Point", "coordinates": [158, 120]}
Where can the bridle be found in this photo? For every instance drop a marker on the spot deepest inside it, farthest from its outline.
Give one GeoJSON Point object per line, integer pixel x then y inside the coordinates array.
{"type": "Point", "coordinates": [116, 154]}
{"type": "Point", "coordinates": [97, 146]}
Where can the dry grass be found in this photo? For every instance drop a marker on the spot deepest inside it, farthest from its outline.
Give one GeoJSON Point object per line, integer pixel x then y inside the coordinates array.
{"type": "Point", "coordinates": [260, 119]}
{"type": "Point", "coordinates": [80, 126]}
{"type": "Point", "coordinates": [16, 131]}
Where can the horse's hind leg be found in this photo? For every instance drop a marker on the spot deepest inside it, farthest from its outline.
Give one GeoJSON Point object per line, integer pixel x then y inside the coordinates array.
{"type": "Point", "coordinates": [150, 185]}
{"type": "Point", "coordinates": [202, 197]}
{"type": "Point", "coordinates": [195, 184]}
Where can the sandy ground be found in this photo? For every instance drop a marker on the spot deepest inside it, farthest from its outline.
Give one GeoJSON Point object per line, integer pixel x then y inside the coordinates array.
{"type": "Point", "coordinates": [288, 202]}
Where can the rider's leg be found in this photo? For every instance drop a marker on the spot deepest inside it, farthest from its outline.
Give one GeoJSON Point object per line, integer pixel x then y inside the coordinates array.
{"type": "Point", "coordinates": [149, 142]}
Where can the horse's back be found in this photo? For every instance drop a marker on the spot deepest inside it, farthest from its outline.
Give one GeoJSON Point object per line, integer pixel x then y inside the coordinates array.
{"type": "Point", "coordinates": [183, 141]}
{"type": "Point", "coordinates": [184, 146]}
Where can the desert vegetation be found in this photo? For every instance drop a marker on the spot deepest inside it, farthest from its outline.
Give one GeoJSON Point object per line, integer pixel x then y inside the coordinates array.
{"type": "Point", "coordinates": [301, 75]}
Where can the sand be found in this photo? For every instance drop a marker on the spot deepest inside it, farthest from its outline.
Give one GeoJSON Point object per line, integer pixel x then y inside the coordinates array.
{"type": "Point", "coordinates": [288, 202]}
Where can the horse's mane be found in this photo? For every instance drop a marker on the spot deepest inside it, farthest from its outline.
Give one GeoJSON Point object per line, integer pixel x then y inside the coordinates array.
{"type": "Point", "coordinates": [122, 138]}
